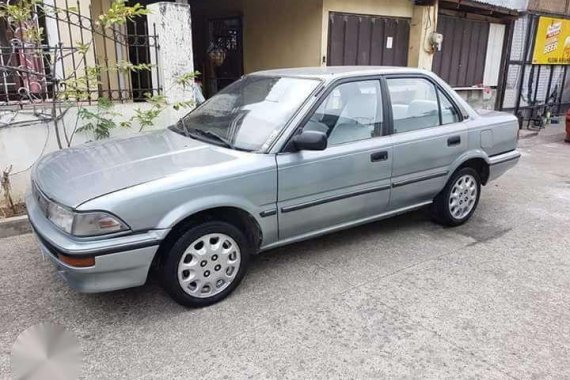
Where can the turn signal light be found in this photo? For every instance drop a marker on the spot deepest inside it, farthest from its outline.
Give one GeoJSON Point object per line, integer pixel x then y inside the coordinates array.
{"type": "Point", "coordinates": [81, 262]}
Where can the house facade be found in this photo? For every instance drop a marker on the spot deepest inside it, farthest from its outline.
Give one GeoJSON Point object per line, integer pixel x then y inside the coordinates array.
{"type": "Point", "coordinates": [235, 37]}
{"type": "Point", "coordinates": [483, 48]}
{"type": "Point", "coordinates": [273, 34]}
{"type": "Point", "coordinates": [258, 35]}
{"type": "Point", "coordinates": [464, 41]}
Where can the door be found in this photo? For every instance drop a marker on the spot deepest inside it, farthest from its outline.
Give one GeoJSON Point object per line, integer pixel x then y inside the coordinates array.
{"type": "Point", "coordinates": [224, 63]}
{"type": "Point", "coordinates": [350, 179]}
{"type": "Point", "coordinates": [461, 61]}
{"type": "Point", "coordinates": [428, 138]}
{"type": "Point", "coordinates": [367, 40]}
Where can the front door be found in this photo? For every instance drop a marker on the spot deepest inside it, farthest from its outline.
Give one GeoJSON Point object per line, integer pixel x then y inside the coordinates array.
{"type": "Point", "coordinates": [224, 61]}
{"type": "Point", "coordinates": [428, 138]}
{"type": "Point", "coordinates": [350, 180]}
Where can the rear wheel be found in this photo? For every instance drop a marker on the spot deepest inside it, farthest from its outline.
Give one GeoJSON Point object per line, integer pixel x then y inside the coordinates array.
{"type": "Point", "coordinates": [206, 264]}
{"type": "Point", "coordinates": [459, 199]}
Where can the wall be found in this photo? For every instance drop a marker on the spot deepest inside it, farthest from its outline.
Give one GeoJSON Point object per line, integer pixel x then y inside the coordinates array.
{"type": "Point", "coordinates": [22, 146]}
{"type": "Point", "coordinates": [550, 6]}
{"type": "Point", "coordinates": [479, 98]}
{"type": "Point", "coordinates": [424, 23]}
{"type": "Point", "coordinates": [173, 27]}
{"type": "Point", "coordinates": [281, 33]}
{"type": "Point", "coordinates": [391, 8]}
{"type": "Point", "coordinates": [292, 33]}
{"type": "Point", "coordinates": [276, 33]}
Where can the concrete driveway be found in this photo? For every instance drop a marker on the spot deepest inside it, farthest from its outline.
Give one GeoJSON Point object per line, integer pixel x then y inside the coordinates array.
{"type": "Point", "coordinates": [402, 298]}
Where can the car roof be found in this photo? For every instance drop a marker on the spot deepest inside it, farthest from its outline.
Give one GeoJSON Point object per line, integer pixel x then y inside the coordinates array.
{"type": "Point", "coordinates": [330, 72]}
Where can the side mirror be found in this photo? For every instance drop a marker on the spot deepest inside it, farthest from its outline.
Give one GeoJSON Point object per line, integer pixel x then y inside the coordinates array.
{"type": "Point", "coordinates": [310, 140]}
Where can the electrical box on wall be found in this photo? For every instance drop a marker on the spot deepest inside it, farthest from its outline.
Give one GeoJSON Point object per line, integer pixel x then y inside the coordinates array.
{"type": "Point", "coordinates": [436, 39]}
{"type": "Point", "coordinates": [424, 2]}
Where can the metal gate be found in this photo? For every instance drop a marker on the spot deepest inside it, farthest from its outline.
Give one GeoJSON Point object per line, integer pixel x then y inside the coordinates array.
{"type": "Point", "coordinates": [367, 40]}
{"type": "Point", "coordinates": [461, 61]}
{"type": "Point", "coordinates": [528, 86]}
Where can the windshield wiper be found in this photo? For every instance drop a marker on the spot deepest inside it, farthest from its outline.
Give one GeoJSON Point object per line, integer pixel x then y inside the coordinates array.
{"type": "Point", "coordinates": [211, 135]}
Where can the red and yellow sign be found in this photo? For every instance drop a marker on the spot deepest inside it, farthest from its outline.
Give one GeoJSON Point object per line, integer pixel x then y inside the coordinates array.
{"type": "Point", "coordinates": [552, 44]}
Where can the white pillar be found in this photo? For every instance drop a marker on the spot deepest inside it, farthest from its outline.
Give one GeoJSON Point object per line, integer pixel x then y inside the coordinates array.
{"type": "Point", "coordinates": [175, 56]}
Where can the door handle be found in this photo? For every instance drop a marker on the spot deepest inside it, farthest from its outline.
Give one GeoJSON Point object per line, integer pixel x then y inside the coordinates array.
{"type": "Point", "coordinates": [454, 140]}
{"type": "Point", "coordinates": [379, 156]}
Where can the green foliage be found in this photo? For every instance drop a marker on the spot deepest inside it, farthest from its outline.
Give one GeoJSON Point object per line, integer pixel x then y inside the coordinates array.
{"type": "Point", "coordinates": [81, 86]}
{"type": "Point", "coordinates": [119, 13]}
{"type": "Point", "coordinates": [34, 34]}
{"type": "Point", "coordinates": [184, 104]}
{"type": "Point", "coordinates": [98, 123]}
{"type": "Point", "coordinates": [126, 66]}
{"type": "Point", "coordinates": [20, 11]}
{"type": "Point", "coordinates": [82, 48]}
{"type": "Point", "coordinates": [155, 100]}
{"type": "Point", "coordinates": [187, 78]}
{"type": "Point", "coordinates": [146, 118]}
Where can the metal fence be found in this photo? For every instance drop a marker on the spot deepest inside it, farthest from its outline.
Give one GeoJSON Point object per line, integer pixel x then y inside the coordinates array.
{"type": "Point", "coordinates": [528, 86]}
{"type": "Point", "coordinates": [117, 63]}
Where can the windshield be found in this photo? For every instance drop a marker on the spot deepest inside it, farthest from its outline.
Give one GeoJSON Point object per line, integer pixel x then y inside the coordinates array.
{"type": "Point", "coordinates": [249, 113]}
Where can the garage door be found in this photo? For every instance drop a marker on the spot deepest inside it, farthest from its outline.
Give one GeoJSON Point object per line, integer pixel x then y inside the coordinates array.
{"type": "Point", "coordinates": [367, 40]}
{"type": "Point", "coordinates": [461, 61]}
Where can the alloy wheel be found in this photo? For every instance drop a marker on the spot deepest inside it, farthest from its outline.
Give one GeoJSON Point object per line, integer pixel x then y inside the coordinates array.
{"type": "Point", "coordinates": [463, 196]}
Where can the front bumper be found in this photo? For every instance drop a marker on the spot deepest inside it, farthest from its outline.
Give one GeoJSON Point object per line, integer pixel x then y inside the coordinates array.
{"type": "Point", "coordinates": [500, 163]}
{"type": "Point", "coordinates": [120, 262]}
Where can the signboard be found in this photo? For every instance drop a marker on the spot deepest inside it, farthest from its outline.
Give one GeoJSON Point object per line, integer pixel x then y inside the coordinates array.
{"type": "Point", "coordinates": [552, 44]}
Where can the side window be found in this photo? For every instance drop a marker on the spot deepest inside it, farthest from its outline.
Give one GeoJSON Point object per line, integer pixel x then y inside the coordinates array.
{"type": "Point", "coordinates": [414, 104]}
{"type": "Point", "coordinates": [448, 112]}
{"type": "Point", "coordinates": [351, 112]}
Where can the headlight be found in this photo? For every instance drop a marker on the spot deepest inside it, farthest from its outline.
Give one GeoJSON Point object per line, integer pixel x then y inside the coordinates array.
{"type": "Point", "coordinates": [61, 217]}
{"type": "Point", "coordinates": [78, 223]}
{"type": "Point", "coordinates": [96, 223]}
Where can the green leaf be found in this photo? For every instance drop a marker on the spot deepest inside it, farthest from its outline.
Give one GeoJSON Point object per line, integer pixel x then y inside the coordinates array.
{"type": "Point", "coordinates": [82, 48]}
{"type": "Point", "coordinates": [104, 102]}
{"type": "Point", "coordinates": [187, 78]}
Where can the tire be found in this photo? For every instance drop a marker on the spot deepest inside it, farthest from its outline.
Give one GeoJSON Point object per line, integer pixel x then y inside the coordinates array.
{"type": "Point", "coordinates": [456, 203]}
{"type": "Point", "coordinates": [200, 270]}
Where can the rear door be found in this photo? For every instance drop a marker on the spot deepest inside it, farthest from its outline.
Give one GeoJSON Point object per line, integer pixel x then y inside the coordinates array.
{"type": "Point", "coordinates": [428, 137]}
{"type": "Point", "coordinates": [348, 181]}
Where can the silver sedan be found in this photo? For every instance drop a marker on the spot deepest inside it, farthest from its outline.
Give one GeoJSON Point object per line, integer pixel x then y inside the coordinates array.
{"type": "Point", "coordinates": [277, 157]}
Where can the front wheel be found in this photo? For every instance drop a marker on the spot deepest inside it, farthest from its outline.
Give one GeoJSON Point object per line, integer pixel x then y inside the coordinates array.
{"type": "Point", "coordinates": [206, 264]}
{"type": "Point", "coordinates": [458, 200]}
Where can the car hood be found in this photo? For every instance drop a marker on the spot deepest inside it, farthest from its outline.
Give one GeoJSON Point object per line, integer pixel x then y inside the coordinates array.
{"type": "Point", "coordinates": [75, 175]}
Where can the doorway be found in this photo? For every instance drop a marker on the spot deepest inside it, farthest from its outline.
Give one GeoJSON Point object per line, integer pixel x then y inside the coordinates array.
{"type": "Point", "coordinates": [224, 55]}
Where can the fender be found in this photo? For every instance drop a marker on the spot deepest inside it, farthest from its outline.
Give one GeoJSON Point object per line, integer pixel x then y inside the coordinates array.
{"type": "Point", "coordinates": [469, 155]}
{"type": "Point", "coordinates": [268, 224]}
